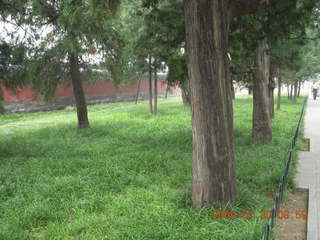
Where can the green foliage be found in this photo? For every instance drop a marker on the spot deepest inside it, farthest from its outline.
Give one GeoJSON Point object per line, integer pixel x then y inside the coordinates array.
{"type": "Point", "coordinates": [161, 35]}
{"type": "Point", "coordinates": [11, 65]}
{"type": "Point", "coordinates": [310, 60]}
{"type": "Point", "coordinates": [12, 53]}
{"type": "Point", "coordinates": [284, 26]}
{"type": "Point", "coordinates": [142, 29]}
{"type": "Point", "coordinates": [45, 80]}
{"type": "Point", "coordinates": [177, 66]}
{"type": "Point", "coordinates": [57, 28]}
{"type": "Point", "coordinates": [129, 175]}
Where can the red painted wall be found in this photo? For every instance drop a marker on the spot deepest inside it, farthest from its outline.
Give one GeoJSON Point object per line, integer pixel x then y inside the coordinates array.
{"type": "Point", "coordinates": [103, 88]}
{"type": "Point", "coordinates": [20, 94]}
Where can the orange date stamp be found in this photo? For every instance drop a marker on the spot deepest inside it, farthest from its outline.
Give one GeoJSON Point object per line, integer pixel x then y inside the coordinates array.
{"type": "Point", "coordinates": [250, 214]}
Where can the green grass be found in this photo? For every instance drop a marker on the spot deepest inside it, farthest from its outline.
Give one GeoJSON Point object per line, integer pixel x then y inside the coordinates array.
{"type": "Point", "coordinates": [128, 176]}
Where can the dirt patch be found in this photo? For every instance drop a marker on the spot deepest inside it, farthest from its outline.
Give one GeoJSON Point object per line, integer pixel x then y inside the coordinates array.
{"type": "Point", "coordinates": [292, 221]}
{"type": "Point", "coordinates": [305, 145]}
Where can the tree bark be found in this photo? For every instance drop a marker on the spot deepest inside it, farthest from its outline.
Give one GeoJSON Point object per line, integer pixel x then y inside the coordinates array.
{"type": "Point", "coordinates": [262, 123]}
{"type": "Point", "coordinates": [279, 93]}
{"type": "Point", "coordinates": [155, 107]}
{"type": "Point", "coordinates": [150, 86]}
{"type": "Point", "coordinates": [78, 92]}
{"type": "Point", "coordinates": [186, 93]}
{"type": "Point", "coordinates": [213, 175]}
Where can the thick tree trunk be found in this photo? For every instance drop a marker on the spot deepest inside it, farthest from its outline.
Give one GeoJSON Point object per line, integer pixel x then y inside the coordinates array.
{"type": "Point", "coordinates": [78, 91]}
{"type": "Point", "coordinates": [279, 93]}
{"type": "Point", "coordinates": [288, 90]}
{"type": "Point", "coordinates": [186, 93]}
{"type": "Point", "coordinates": [262, 123]}
{"type": "Point", "coordinates": [213, 176]}
{"type": "Point", "coordinates": [155, 107]}
{"type": "Point", "coordinates": [150, 87]}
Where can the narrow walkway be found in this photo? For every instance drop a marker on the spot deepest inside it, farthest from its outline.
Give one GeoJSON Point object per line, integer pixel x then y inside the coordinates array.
{"type": "Point", "coordinates": [308, 175]}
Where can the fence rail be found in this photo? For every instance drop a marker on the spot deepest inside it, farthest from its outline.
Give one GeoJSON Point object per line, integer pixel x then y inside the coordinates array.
{"type": "Point", "coordinates": [267, 230]}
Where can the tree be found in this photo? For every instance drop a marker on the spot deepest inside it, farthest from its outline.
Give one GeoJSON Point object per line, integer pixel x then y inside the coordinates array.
{"type": "Point", "coordinates": [279, 21]}
{"type": "Point", "coordinates": [250, 48]}
{"type": "Point", "coordinates": [12, 50]}
{"type": "Point", "coordinates": [262, 129]}
{"type": "Point", "coordinates": [213, 146]}
{"type": "Point", "coordinates": [11, 74]}
{"type": "Point", "coordinates": [207, 27]}
{"type": "Point", "coordinates": [74, 29]}
{"type": "Point", "coordinates": [143, 45]}
{"type": "Point", "coordinates": [279, 90]}
{"type": "Point", "coordinates": [165, 24]}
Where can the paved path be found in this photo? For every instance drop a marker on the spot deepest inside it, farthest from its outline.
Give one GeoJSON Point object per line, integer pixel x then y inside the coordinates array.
{"type": "Point", "coordinates": [309, 168]}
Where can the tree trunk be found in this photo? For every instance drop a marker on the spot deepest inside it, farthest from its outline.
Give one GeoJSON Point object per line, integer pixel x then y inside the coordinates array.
{"type": "Point", "coordinates": [288, 90]}
{"type": "Point", "coordinates": [271, 96]}
{"type": "Point", "coordinates": [2, 110]}
{"type": "Point", "coordinates": [299, 88]}
{"type": "Point", "coordinates": [155, 107]}
{"type": "Point", "coordinates": [167, 90]}
{"type": "Point", "coordinates": [291, 91]}
{"type": "Point", "coordinates": [279, 93]}
{"type": "Point", "coordinates": [78, 91]}
{"type": "Point", "coordinates": [262, 123]}
{"type": "Point", "coordinates": [250, 84]}
{"type": "Point", "coordinates": [186, 93]}
{"type": "Point", "coordinates": [295, 93]}
{"type": "Point", "coordinates": [213, 175]}
{"type": "Point", "coordinates": [150, 86]}
{"type": "Point", "coordinates": [138, 90]}
{"type": "Point", "coordinates": [272, 86]}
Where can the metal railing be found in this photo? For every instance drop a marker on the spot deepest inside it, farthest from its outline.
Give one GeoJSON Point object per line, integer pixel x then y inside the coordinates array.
{"type": "Point", "coordinates": [267, 230]}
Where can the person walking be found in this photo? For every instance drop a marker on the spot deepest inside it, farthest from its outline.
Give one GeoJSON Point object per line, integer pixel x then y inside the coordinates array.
{"type": "Point", "coordinates": [315, 90]}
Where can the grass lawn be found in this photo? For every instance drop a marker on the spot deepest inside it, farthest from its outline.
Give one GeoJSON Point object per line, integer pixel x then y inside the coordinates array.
{"type": "Point", "coordinates": [129, 175]}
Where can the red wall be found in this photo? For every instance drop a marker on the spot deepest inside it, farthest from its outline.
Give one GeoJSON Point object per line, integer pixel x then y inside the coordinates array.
{"type": "Point", "coordinates": [20, 94]}
{"type": "Point", "coordinates": [103, 88]}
